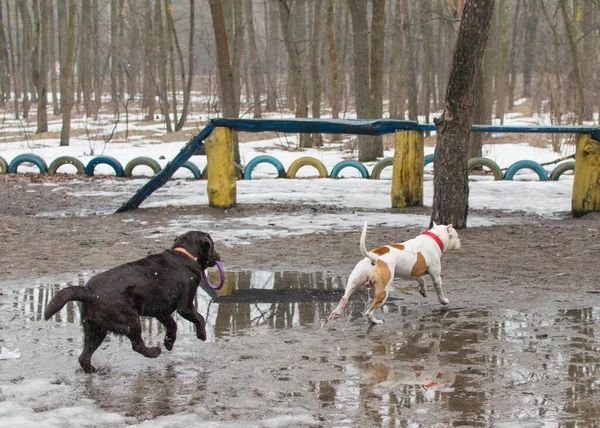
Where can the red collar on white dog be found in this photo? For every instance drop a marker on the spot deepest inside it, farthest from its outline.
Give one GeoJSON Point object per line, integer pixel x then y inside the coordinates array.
{"type": "Point", "coordinates": [186, 252]}
{"type": "Point", "coordinates": [435, 238]}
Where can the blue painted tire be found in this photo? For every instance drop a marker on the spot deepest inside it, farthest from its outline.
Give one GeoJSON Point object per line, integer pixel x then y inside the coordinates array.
{"type": "Point", "coordinates": [264, 159]}
{"type": "Point", "coordinates": [561, 169]}
{"type": "Point", "coordinates": [526, 164]}
{"type": "Point", "coordinates": [335, 171]}
{"type": "Point", "coordinates": [239, 175]}
{"type": "Point", "coordinates": [66, 160]}
{"type": "Point", "coordinates": [193, 168]}
{"type": "Point", "coordinates": [141, 160]}
{"type": "Point", "coordinates": [108, 160]}
{"type": "Point", "coordinates": [28, 157]}
{"type": "Point", "coordinates": [3, 166]}
{"type": "Point", "coordinates": [428, 159]}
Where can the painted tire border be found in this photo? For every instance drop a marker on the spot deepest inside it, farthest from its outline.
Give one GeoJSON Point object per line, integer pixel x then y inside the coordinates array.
{"type": "Point", "coordinates": [28, 157]}
{"type": "Point", "coordinates": [307, 161]}
{"type": "Point", "coordinates": [141, 160]}
{"type": "Point", "coordinates": [3, 166]}
{"type": "Point", "coordinates": [66, 160]}
{"type": "Point", "coordinates": [335, 171]}
{"type": "Point", "coordinates": [108, 160]}
{"type": "Point", "coordinates": [493, 166]}
{"type": "Point", "coordinates": [526, 164]}
{"type": "Point", "coordinates": [193, 168]}
{"type": "Point", "coordinates": [561, 168]}
{"type": "Point", "coordinates": [264, 159]}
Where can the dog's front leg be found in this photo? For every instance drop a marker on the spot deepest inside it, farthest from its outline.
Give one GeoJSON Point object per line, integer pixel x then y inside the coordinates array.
{"type": "Point", "coordinates": [190, 313]}
{"type": "Point", "coordinates": [436, 276]}
{"type": "Point", "coordinates": [171, 327]}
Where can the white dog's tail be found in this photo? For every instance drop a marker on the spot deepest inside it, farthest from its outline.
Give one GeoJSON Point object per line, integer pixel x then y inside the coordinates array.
{"type": "Point", "coordinates": [363, 245]}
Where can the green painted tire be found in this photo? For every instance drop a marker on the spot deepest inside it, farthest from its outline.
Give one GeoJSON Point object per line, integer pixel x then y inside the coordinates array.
{"type": "Point", "coordinates": [561, 168]}
{"type": "Point", "coordinates": [3, 166]}
{"type": "Point", "coordinates": [493, 166]}
{"type": "Point", "coordinates": [380, 166]}
{"type": "Point", "coordinates": [66, 160]}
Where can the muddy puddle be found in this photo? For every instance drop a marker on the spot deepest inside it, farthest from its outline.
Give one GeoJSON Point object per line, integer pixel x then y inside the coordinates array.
{"type": "Point", "coordinates": [272, 345]}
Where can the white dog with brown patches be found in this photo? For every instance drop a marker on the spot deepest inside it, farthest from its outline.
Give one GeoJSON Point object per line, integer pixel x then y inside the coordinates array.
{"type": "Point", "coordinates": [411, 259]}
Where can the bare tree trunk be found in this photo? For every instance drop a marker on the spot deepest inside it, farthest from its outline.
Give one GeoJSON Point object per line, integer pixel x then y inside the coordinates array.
{"type": "Point", "coordinates": [238, 47]}
{"type": "Point", "coordinates": [4, 63]}
{"type": "Point", "coordinates": [376, 74]}
{"type": "Point", "coordinates": [98, 71]}
{"type": "Point", "coordinates": [426, 7]}
{"type": "Point", "coordinates": [149, 100]}
{"type": "Point", "coordinates": [170, 55]}
{"type": "Point", "coordinates": [589, 60]}
{"type": "Point", "coordinates": [514, 47]}
{"type": "Point", "coordinates": [396, 88]}
{"type": "Point", "coordinates": [333, 61]}
{"type": "Point", "coordinates": [187, 92]}
{"type": "Point", "coordinates": [315, 76]}
{"type": "Point", "coordinates": [162, 58]}
{"type": "Point", "coordinates": [450, 181]}
{"type": "Point", "coordinates": [580, 105]}
{"type": "Point", "coordinates": [255, 63]}
{"type": "Point", "coordinates": [52, 54]}
{"type": "Point", "coordinates": [40, 65]}
{"type": "Point", "coordinates": [85, 66]}
{"type": "Point", "coordinates": [25, 55]}
{"type": "Point", "coordinates": [529, 47]}
{"type": "Point", "coordinates": [67, 13]}
{"type": "Point", "coordinates": [225, 74]}
{"type": "Point", "coordinates": [271, 55]}
{"type": "Point", "coordinates": [411, 74]}
{"type": "Point", "coordinates": [502, 50]}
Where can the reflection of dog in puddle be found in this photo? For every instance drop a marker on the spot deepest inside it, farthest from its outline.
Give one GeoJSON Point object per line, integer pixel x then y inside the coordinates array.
{"type": "Point", "coordinates": [392, 371]}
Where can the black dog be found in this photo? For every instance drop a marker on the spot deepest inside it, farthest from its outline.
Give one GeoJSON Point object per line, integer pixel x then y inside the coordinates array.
{"type": "Point", "coordinates": [154, 286]}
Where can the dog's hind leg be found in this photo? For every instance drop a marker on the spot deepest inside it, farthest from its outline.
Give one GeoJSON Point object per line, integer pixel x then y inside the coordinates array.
{"type": "Point", "coordinates": [382, 278]}
{"type": "Point", "coordinates": [93, 337]}
{"type": "Point", "coordinates": [171, 327]}
{"type": "Point", "coordinates": [422, 286]}
{"type": "Point", "coordinates": [357, 279]}
{"type": "Point", "coordinates": [134, 333]}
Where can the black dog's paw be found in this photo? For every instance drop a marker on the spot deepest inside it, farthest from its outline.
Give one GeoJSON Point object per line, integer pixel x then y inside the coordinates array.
{"type": "Point", "coordinates": [169, 342]}
{"type": "Point", "coordinates": [201, 334]}
{"type": "Point", "coordinates": [152, 352]}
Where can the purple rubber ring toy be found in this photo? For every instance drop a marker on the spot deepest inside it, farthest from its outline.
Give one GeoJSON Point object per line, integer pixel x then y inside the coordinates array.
{"type": "Point", "coordinates": [222, 277]}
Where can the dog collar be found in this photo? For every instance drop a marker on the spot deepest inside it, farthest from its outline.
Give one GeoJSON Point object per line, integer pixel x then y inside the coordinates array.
{"type": "Point", "coordinates": [435, 238]}
{"type": "Point", "coordinates": [186, 252]}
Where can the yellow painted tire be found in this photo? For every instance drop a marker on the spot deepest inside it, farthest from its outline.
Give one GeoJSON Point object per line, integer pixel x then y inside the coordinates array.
{"type": "Point", "coordinates": [3, 166]}
{"type": "Point", "coordinates": [307, 161]}
{"type": "Point", "coordinates": [141, 160]}
{"type": "Point", "coordinates": [493, 166]}
{"type": "Point", "coordinates": [66, 160]}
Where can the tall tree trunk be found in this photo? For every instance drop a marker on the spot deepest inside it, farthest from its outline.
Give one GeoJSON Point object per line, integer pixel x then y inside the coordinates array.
{"type": "Point", "coordinates": [580, 104]}
{"type": "Point", "coordinates": [67, 12]}
{"type": "Point", "coordinates": [255, 63]}
{"type": "Point", "coordinates": [315, 56]}
{"type": "Point", "coordinates": [426, 8]}
{"type": "Point", "coordinates": [396, 88]}
{"type": "Point", "coordinates": [502, 49]}
{"type": "Point", "coordinates": [237, 50]}
{"type": "Point", "coordinates": [26, 51]}
{"type": "Point", "coordinates": [362, 86]}
{"type": "Point", "coordinates": [40, 76]}
{"type": "Point", "coordinates": [170, 55]}
{"type": "Point", "coordinates": [529, 47]}
{"type": "Point", "coordinates": [514, 47]}
{"type": "Point", "coordinates": [272, 55]}
{"type": "Point", "coordinates": [98, 69]}
{"type": "Point", "coordinates": [376, 74]}
{"type": "Point", "coordinates": [225, 74]}
{"type": "Point", "coordinates": [589, 60]}
{"type": "Point", "coordinates": [450, 181]}
{"type": "Point", "coordinates": [162, 58]}
{"type": "Point", "coordinates": [13, 61]}
{"type": "Point", "coordinates": [298, 83]}
{"type": "Point", "coordinates": [333, 62]}
{"type": "Point", "coordinates": [149, 100]}
{"type": "Point", "coordinates": [411, 74]}
{"type": "Point", "coordinates": [187, 92]}
{"type": "Point", "coordinates": [4, 63]}
{"type": "Point", "coordinates": [85, 66]}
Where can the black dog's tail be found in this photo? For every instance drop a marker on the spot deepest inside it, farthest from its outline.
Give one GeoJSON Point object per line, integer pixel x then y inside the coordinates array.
{"type": "Point", "coordinates": [65, 295]}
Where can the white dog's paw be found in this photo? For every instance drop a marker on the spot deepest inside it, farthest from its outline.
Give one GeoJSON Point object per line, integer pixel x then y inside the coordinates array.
{"type": "Point", "coordinates": [444, 301]}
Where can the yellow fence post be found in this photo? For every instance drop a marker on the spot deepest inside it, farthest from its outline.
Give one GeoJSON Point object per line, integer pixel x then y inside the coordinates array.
{"type": "Point", "coordinates": [586, 182]}
{"type": "Point", "coordinates": [220, 169]}
{"type": "Point", "coordinates": [407, 169]}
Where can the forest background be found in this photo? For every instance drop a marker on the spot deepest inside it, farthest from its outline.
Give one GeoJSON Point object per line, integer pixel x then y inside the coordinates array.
{"type": "Point", "coordinates": [305, 58]}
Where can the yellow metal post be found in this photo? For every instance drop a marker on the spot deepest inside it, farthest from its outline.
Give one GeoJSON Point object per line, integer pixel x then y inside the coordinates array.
{"type": "Point", "coordinates": [407, 169]}
{"type": "Point", "coordinates": [220, 174]}
{"type": "Point", "coordinates": [586, 183]}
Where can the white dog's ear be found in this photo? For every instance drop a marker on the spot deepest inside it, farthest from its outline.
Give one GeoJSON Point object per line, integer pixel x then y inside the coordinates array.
{"type": "Point", "coordinates": [449, 226]}
{"type": "Point", "coordinates": [434, 225]}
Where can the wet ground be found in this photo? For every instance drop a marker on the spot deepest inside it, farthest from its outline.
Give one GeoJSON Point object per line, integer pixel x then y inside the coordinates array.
{"type": "Point", "coordinates": [517, 346]}
{"type": "Point", "coordinates": [465, 365]}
